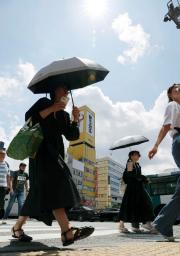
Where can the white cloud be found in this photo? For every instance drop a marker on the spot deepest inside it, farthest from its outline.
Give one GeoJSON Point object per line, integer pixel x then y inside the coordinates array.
{"type": "Point", "coordinates": [134, 36]}
{"type": "Point", "coordinates": [12, 86]}
{"type": "Point", "coordinates": [115, 120]}
{"type": "Point", "coordinates": [26, 71]}
{"type": "Point", "coordinates": [7, 135]}
{"type": "Point", "coordinates": [8, 86]}
{"type": "Point", "coordinates": [13, 89]}
{"type": "Point", "coordinates": [3, 136]}
{"type": "Point", "coordinates": [14, 164]}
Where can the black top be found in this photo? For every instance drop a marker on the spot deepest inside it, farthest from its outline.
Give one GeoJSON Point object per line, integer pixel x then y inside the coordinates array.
{"type": "Point", "coordinates": [54, 125]}
{"type": "Point", "coordinates": [135, 174]}
{"type": "Point", "coordinates": [136, 203]}
{"type": "Point", "coordinates": [19, 179]}
{"type": "Point", "coordinates": [51, 184]}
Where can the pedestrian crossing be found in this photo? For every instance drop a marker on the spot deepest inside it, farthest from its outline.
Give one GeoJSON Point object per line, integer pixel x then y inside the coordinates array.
{"type": "Point", "coordinates": [39, 231]}
{"type": "Point", "coordinates": [42, 233]}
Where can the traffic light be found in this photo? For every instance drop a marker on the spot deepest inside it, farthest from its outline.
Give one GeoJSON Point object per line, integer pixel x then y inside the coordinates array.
{"type": "Point", "coordinates": [173, 13]}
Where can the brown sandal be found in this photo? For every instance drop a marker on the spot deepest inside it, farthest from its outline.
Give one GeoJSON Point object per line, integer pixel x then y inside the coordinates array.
{"type": "Point", "coordinates": [22, 237]}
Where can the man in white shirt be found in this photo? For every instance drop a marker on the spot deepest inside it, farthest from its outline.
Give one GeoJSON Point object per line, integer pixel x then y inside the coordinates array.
{"type": "Point", "coordinates": [168, 215]}
{"type": "Point", "coordinates": [4, 180]}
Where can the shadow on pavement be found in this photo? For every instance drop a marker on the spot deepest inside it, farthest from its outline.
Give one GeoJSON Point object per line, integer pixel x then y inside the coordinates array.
{"type": "Point", "coordinates": [142, 236]}
{"type": "Point", "coordinates": [17, 247]}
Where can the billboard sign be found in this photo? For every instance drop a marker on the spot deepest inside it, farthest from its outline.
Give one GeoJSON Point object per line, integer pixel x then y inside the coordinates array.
{"type": "Point", "coordinates": [90, 124]}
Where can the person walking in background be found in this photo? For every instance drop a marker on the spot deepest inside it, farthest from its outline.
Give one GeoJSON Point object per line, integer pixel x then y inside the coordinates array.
{"type": "Point", "coordinates": [5, 184]}
{"type": "Point", "coordinates": [136, 204]}
{"type": "Point", "coordinates": [19, 180]}
{"type": "Point", "coordinates": [122, 227]}
{"type": "Point", "coordinates": [167, 216]}
{"type": "Point", "coordinates": [52, 189]}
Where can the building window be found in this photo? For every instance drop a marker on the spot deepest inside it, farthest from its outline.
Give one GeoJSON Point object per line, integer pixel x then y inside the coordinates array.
{"type": "Point", "coordinates": [115, 190]}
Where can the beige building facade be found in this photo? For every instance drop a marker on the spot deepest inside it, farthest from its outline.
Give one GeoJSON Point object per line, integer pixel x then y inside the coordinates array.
{"type": "Point", "coordinates": [108, 183]}
{"type": "Point", "coordinates": [83, 150]}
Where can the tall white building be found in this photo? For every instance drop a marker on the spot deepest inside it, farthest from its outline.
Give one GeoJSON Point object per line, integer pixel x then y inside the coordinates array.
{"type": "Point", "coordinates": [108, 180]}
{"type": "Point", "coordinates": [77, 170]}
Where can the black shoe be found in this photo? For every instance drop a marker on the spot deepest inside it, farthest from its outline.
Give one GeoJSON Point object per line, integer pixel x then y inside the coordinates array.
{"type": "Point", "coordinates": [22, 237]}
{"type": "Point", "coordinates": [80, 233]}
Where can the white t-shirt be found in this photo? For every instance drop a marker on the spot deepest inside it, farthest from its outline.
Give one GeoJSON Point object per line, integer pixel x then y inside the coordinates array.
{"type": "Point", "coordinates": [172, 116]}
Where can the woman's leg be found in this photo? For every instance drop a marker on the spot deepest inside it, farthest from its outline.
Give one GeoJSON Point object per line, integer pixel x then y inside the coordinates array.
{"type": "Point", "coordinates": [121, 224]}
{"type": "Point", "coordinates": [70, 235]}
{"type": "Point", "coordinates": [176, 150]}
{"type": "Point", "coordinates": [60, 216]}
{"type": "Point", "coordinates": [167, 216]}
{"type": "Point", "coordinates": [17, 231]}
{"type": "Point", "coordinates": [17, 228]}
{"type": "Point", "coordinates": [62, 219]}
{"type": "Point", "coordinates": [122, 227]}
{"type": "Point", "coordinates": [19, 223]}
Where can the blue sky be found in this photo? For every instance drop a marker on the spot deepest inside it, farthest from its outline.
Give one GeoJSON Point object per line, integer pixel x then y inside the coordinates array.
{"type": "Point", "coordinates": [40, 31]}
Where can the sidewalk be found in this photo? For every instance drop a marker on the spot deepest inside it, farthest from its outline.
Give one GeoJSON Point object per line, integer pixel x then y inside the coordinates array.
{"type": "Point", "coordinates": [126, 249]}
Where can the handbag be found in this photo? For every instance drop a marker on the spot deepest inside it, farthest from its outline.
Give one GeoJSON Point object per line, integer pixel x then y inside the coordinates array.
{"type": "Point", "coordinates": [26, 142]}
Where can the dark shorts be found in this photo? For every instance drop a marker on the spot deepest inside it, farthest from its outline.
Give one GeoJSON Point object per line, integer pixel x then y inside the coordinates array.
{"type": "Point", "coordinates": [2, 196]}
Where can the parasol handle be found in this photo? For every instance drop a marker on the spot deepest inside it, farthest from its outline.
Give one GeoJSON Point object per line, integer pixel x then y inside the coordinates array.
{"type": "Point", "coordinates": [72, 98]}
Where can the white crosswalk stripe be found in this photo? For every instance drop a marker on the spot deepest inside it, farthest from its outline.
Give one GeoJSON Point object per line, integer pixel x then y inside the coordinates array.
{"type": "Point", "coordinates": [42, 232]}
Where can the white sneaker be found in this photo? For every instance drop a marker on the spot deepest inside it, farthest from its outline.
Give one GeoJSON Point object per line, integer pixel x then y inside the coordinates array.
{"type": "Point", "coordinates": [137, 230]}
{"type": "Point", "coordinates": [3, 222]}
{"type": "Point", "coordinates": [169, 238]}
{"type": "Point", "coordinates": [147, 226]}
{"type": "Point", "coordinates": [154, 231]}
{"type": "Point", "coordinates": [123, 230]}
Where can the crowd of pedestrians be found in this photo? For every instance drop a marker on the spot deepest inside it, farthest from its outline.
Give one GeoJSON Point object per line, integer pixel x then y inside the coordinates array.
{"type": "Point", "coordinates": [52, 189]}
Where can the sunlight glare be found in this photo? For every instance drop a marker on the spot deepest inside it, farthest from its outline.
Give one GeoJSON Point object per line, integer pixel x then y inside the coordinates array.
{"type": "Point", "coordinates": [96, 8]}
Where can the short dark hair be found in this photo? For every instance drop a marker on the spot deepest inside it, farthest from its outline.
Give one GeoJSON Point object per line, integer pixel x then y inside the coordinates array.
{"type": "Point", "coordinates": [134, 152]}
{"type": "Point", "coordinates": [169, 91]}
{"type": "Point", "coordinates": [52, 95]}
{"type": "Point", "coordinates": [52, 92]}
{"type": "Point", "coordinates": [22, 164]}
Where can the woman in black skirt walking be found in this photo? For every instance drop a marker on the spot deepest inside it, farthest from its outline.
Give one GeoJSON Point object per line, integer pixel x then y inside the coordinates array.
{"type": "Point", "coordinates": [136, 205]}
{"type": "Point", "coordinates": [52, 189]}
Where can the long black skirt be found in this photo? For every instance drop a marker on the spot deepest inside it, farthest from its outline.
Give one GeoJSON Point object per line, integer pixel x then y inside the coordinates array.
{"type": "Point", "coordinates": [51, 187]}
{"type": "Point", "coordinates": [136, 204]}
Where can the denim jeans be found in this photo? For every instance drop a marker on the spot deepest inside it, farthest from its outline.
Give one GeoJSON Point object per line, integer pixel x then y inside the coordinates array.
{"type": "Point", "coordinates": [20, 198]}
{"type": "Point", "coordinates": [169, 213]}
{"type": "Point", "coordinates": [176, 150]}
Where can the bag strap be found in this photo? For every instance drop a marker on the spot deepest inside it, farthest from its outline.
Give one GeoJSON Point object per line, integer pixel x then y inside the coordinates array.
{"type": "Point", "coordinates": [29, 121]}
{"type": "Point", "coordinates": [7, 164]}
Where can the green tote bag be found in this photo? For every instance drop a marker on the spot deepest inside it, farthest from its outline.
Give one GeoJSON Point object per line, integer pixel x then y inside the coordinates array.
{"type": "Point", "coordinates": [26, 142]}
